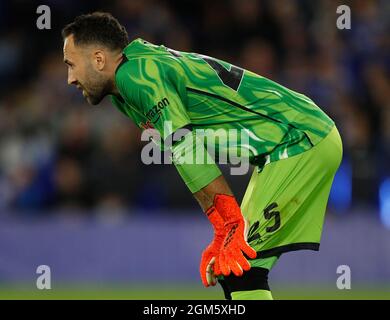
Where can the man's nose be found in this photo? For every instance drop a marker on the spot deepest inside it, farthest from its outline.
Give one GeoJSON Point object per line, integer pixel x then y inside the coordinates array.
{"type": "Point", "coordinates": [71, 78]}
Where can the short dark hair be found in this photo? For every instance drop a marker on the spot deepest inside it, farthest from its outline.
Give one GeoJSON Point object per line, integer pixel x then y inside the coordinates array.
{"type": "Point", "coordinates": [97, 27]}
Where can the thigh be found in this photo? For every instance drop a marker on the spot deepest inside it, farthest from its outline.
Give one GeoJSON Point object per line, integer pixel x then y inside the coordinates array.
{"type": "Point", "coordinates": [285, 204]}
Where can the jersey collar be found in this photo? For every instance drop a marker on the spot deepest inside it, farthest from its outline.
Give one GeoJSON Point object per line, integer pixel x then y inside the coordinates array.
{"type": "Point", "coordinates": [124, 60]}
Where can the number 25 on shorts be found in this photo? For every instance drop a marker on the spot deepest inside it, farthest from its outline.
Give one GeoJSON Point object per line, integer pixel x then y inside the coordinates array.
{"type": "Point", "coordinates": [269, 213]}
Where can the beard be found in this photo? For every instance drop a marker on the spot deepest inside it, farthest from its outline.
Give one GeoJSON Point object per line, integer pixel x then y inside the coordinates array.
{"type": "Point", "coordinates": [95, 88]}
{"type": "Point", "coordinates": [93, 99]}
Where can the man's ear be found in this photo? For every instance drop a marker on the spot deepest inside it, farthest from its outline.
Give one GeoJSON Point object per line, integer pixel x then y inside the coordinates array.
{"type": "Point", "coordinates": [99, 59]}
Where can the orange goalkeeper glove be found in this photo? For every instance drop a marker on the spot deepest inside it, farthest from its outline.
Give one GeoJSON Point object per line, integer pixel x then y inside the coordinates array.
{"type": "Point", "coordinates": [212, 251]}
{"type": "Point", "coordinates": [231, 258]}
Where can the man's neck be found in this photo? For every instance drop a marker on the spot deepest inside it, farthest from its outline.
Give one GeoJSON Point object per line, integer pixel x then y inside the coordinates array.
{"type": "Point", "coordinates": [118, 61]}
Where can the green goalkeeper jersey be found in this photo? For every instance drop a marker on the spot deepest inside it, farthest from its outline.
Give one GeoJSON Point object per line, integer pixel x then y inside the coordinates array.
{"type": "Point", "coordinates": [159, 85]}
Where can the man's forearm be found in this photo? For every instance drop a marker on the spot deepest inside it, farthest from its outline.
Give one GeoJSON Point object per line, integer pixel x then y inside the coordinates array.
{"type": "Point", "coordinates": [205, 196]}
{"type": "Point", "coordinates": [204, 180]}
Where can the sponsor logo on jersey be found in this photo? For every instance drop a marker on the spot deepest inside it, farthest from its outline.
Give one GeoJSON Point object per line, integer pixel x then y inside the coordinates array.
{"type": "Point", "coordinates": [146, 125]}
{"type": "Point", "coordinates": [154, 113]}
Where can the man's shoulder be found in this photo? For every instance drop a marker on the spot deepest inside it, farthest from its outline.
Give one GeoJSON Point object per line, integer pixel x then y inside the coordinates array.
{"type": "Point", "coordinates": [145, 50]}
{"type": "Point", "coordinates": [135, 46]}
{"type": "Point", "coordinates": [140, 69]}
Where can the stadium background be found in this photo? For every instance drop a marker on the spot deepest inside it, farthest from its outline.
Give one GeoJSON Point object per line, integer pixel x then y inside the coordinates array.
{"type": "Point", "coordinates": [75, 195]}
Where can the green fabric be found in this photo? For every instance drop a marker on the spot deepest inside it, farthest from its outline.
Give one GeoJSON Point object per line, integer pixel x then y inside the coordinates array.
{"type": "Point", "coordinates": [158, 84]}
{"type": "Point", "coordinates": [196, 173]}
{"type": "Point", "coordinates": [266, 263]}
{"type": "Point", "coordinates": [297, 190]}
{"type": "Point", "coordinates": [252, 295]}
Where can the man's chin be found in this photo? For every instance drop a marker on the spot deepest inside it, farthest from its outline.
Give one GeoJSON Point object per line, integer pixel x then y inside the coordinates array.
{"type": "Point", "coordinates": [92, 100]}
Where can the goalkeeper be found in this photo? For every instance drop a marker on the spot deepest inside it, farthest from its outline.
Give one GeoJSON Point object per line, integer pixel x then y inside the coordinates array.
{"type": "Point", "coordinates": [294, 146]}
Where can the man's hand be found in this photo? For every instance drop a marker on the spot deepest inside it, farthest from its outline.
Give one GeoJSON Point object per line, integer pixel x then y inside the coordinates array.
{"type": "Point", "coordinates": [217, 194]}
{"type": "Point", "coordinates": [212, 251]}
{"type": "Point", "coordinates": [231, 257]}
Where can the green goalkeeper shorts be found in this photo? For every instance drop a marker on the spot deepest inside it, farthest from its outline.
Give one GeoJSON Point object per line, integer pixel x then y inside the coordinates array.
{"type": "Point", "coordinates": [285, 203]}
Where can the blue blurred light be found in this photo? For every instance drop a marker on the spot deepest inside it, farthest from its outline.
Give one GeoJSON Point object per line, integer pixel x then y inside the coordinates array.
{"type": "Point", "coordinates": [384, 202]}
{"type": "Point", "coordinates": [341, 192]}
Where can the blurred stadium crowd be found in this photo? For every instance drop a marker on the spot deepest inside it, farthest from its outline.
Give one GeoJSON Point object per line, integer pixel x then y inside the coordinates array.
{"type": "Point", "coordinates": [58, 152]}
